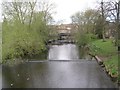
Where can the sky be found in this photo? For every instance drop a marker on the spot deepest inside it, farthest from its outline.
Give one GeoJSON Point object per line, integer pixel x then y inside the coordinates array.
{"type": "Point", "coordinates": [0, 11]}
{"type": "Point", "coordinates": [66, 8]}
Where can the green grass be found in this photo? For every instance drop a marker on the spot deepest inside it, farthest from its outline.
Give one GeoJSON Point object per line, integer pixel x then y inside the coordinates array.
{"type": "Point", "coordinates": [107, 51]}
{"type": "Point", "coordinates": [103, 48]}
{"type": "Point", "coordinates": [112, 64]}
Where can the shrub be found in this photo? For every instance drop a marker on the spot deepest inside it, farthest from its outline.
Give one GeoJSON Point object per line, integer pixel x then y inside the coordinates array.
{"type": "Point", "coordinates": [19, 40]}
{"type": "Point", "coordinates": [84, 38]}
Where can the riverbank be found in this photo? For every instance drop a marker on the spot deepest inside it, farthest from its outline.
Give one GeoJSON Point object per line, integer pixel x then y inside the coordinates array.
{"type": "Point", "coordinates": [39, 57]}
{"type": "Point", "coordinates": [107, 52]}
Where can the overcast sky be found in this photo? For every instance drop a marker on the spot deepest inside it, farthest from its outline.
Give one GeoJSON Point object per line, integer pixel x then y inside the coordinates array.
{"type": "Point", "coordinates": [65, 8]}
{"type": "Point", "coordinates": [0, 10]}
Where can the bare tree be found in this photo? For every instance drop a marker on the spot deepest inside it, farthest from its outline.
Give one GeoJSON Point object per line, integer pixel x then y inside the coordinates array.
{"type": "Point", "coordinates": [47, 9]}
{"type": "Point", "coordinates": [86, 21]}
{"type": "Point", "coordinates": [110, 13]}
{"type": "Point", "coordinates": [118, 25]}
{"type": "Point", "coordinates": [24, 11]}
{"type": "Point", "coordinates": [32, 7]}
{"type": "Point", "coordinates": [16, 10]}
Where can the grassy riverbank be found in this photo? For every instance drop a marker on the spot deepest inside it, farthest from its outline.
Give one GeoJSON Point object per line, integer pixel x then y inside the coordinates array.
{"type": "Point", "coordinates": [107, 51]}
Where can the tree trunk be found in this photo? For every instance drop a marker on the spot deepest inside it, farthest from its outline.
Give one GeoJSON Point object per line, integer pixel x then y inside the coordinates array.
{"type": "Point", "coordinates": [103, 21]}
{"type": "Point", "coordinates": [103, 34]}
{"type": "Point", "coordinates": [118, 27]}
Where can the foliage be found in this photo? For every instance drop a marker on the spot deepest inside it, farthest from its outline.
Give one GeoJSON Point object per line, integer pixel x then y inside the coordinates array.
{"type": "Point", "coordinates": [86, 22]}
{"type": "Point", "coordinates": [0, 43]}
{"type": "Point", "coordinates": [24, 34]}
{"type": "Point", "coordinates": [19, 41]}
{"type": "Point", "coordinates": [99, 28]}
{"type": "Point", "coordinates": [84, 39]}
{"type": "Point", "coordinates": [111, 64]}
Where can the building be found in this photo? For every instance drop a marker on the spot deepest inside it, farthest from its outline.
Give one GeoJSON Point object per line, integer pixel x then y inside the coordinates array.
{"type": "Point", "coordinates": [65, 28]}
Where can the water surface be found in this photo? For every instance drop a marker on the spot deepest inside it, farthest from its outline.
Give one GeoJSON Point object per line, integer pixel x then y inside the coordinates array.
{"type": "Point", "coordinates": [65, 71]}
{"type": "Point", "coordinates": [63, 52]}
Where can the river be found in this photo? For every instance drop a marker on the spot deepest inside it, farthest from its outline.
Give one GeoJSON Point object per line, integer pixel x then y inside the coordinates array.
{"type": "Point", "coordinates": [63, 52]}
{"type": "Point", "coordinates": [63, 69]}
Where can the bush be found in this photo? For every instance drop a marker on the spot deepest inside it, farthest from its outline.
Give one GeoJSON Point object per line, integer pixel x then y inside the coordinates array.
{"type": "Point", "coordinates": [19, 40]}
{"type": "Point", "coordinates": [84, 39]}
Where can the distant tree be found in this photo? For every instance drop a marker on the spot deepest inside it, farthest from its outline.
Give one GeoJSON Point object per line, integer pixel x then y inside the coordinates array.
{"type": "Point", "coordinates": [86, 20]}
{"type": "Point", "coordinates": [47, 9]}
{"type": "Point", "coordinates": [86, 23]}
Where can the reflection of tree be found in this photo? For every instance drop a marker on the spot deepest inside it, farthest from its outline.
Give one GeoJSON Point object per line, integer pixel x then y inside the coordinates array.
{"type": "Point", "coordinates": [14, 76]}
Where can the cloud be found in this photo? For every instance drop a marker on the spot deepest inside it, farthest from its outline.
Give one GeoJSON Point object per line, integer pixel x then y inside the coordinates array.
{"type": "Point", "coordinates": [65, 8]}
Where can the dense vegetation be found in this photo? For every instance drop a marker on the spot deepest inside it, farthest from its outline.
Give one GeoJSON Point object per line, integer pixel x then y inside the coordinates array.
{"type": "Point", "coordinates": [19, 40]}
{"type": "Point", "coordinates": [98, 32]}
{"type": "Point", "coordinates": [0, 43]}
{"type": "Point", "coordinates": [25, 31]}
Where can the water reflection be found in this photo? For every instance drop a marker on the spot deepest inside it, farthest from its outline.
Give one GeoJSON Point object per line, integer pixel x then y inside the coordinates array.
{"type": "Point", "coordinates": [15, 76]}
{"type": "Point", "coordinates": [84, 53]}
{"type": "Point", "coordinates": [56, 75]}
{"type": "Point", "coordinates": [0, 76]}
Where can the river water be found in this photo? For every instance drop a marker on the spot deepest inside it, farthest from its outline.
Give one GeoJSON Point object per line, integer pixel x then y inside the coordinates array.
{"type": "Point", "coordinates": [63, 52]}
{"type": "Point", "coordinates": [63, 69]}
